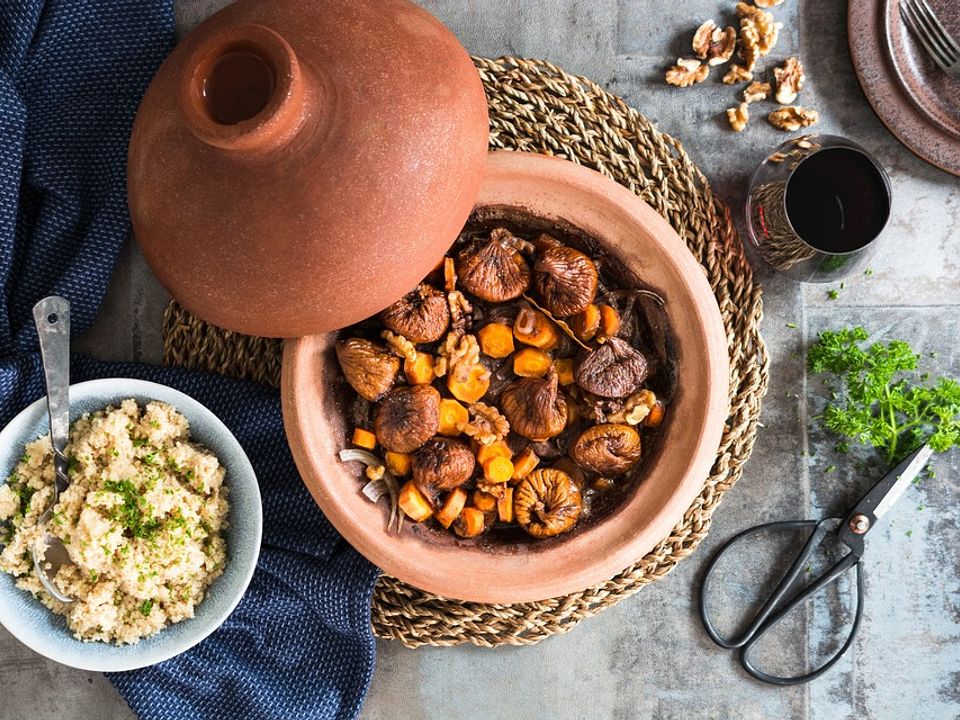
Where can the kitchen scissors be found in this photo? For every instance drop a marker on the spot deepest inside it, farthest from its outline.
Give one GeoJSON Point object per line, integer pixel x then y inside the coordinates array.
{"type": "Point", "coordinates": [850, 531]}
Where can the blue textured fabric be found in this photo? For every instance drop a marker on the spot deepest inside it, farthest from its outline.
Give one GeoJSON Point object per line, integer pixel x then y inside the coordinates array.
{"type": "Point", "coordinates": [72, 72]}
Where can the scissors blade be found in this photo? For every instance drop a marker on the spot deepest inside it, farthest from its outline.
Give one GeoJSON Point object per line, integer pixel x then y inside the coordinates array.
{"type": "Point", "coordinates": [881, 497]}
{"type": "Point", "coordinates": [904, 474]}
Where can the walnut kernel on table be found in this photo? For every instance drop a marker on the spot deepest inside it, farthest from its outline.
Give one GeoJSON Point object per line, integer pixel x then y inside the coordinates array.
{"type": "Point", "coordinates": [790, 78]}
{"type": "Point", "coordinates": [792, 118]}
{"type": "Point", "coordinates": [767, 3]}
{"type": "Point", "coordinates": [687, 72]}
{"type": "Point", "coordinates": [736, 74]}
{"type": "Point", "coordinates": [738, 117]}
{"type": "Point", "coordinates": [714, 45]}
{"type": "Point", "coordinates": [767, 30]}
{"type": "Point", "coordinates": [749, 45]}
{"type": "Point", "coordinates": [756, 91]}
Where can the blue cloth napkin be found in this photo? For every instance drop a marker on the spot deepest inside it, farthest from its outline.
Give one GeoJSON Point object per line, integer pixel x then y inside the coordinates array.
{"type": "Point", "coordinates": [72, 72]}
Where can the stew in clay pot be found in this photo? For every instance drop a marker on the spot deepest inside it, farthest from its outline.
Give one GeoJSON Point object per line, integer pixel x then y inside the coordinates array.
{"type": "Point", "coordinates": [514, 393]}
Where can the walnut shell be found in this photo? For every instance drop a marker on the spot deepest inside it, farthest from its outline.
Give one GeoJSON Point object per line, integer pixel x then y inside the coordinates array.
{"type": "Point", "coordinates": [369, 367]}
{"type": "Point", "coordinates": [607, 449]}
{"type": "Point", "coordinates": [441, 464]}
{"type": "Point", "coordinates": [566, 280]}
{"type": "Point", "coordinates": [534, 407]}
{"type": "Point", "coordinates": [546, 503]}
{"type": "Point", "coordinates": [407, 418]}
{"type": "Point", "coordinates": [493, 270]}
{"type": "Point", "coordinates": [421, 316]}
{"type": "Point", "coordinates": [613, 370]}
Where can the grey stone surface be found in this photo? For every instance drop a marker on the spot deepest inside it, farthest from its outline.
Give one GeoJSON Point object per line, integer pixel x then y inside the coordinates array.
{"type": "Point", "coordinates": [648, 657]}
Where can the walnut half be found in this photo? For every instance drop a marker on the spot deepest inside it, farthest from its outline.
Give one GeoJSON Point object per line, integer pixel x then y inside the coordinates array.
{"type": "Point", "coordinates": [738, 117]}
{"type": "Point", "coordinates": [736, 74]}
{"type": "Point", "coordinates": [792, 118]}
{"type": "Point", "coordinates": [767, 3]}
{"type": "Point", "coordinates": [714, 45]}
{"type": "Point", "coordinates": [790, 78]}
{"type": "Point", "coordinates": [756, 91]}
{"type": "Point", "coordinates": [687, 72]}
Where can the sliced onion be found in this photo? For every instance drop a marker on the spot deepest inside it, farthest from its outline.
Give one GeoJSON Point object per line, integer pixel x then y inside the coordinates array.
{"type": "Point", "coordinates": [375, 489]}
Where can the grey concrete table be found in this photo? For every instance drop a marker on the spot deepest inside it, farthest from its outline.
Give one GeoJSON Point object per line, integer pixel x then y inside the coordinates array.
{"type": "Point", "coordinates": [648, 657]}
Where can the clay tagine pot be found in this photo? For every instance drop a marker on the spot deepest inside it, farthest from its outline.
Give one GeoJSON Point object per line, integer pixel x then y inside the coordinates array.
{"type": "Point", "coordinates": [547, 190]}
{"type": "Point", "coordinates": [295, 167]}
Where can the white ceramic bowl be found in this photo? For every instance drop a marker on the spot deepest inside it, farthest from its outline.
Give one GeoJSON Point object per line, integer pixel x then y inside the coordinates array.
{"type": "Point", "coordinates": [45, 632]}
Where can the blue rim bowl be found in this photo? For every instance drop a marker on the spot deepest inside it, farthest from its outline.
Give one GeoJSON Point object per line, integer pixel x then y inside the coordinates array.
{"type": "Point", "coordinates": [45, 632]}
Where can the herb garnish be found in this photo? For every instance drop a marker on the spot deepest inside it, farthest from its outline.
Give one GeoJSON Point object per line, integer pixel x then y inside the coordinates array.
{"type": "Point", "coordinates": [133, 521]}
{"type": "Point", "coordinates": [145, 607]}
{"type": "Point", "coordinates": [881, 400]}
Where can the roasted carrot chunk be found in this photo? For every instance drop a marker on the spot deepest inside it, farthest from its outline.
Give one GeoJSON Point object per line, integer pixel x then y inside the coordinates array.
{"type": "Point", "coordinates": [497, 469]}
{"type": "Point", "coordinates": [420, 371]}
{"type": "Point", "coordinates": [483, 501]}
{"type": "Point", "coordinates": [534, 328]}
{"type": "Point", "coordinates": [413, 503]}
{"type": "Point", "coordinates": [496, 340]}
{"type": "Point", "coordinates": [505, 506]}
{"type": "Point", "coordinates": [453, 416]}
{"type": "Point", "coordinates": [531, 362]}
{"type": "Point", "coordinates": [586, 323]}
{"type": "Point", "coordinates": [473, 388]}
{"type": "Point", "coordinates": [398, 463]}
{"type": "Point", "coordinates": [524, 463]}
{"type": "Point", "coordinates": [564, 367]}
{"type": "Point", "coordinates": [495, 449]}
{"type": "Point", "coordinates": [656, 415]}
{"type": "Point", "coordinates": [470, 522]}
{"type": "Point", "coordinates": [609, 322]}
{"type": "Point", "coordinates": [452, 507]}
{"type": "Point", "coordinates": [364, 439]}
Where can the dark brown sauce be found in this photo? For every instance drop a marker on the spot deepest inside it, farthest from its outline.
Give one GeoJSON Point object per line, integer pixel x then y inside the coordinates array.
{"type": "Point", "coordinates": [238, 87]}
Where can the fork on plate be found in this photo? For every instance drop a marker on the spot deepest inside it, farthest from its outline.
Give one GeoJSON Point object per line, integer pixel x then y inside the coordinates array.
{"type": "Point", "coordinates": [928, 29]}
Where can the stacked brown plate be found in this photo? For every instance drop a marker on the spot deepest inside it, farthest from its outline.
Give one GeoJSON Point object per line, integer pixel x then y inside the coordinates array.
{"type": "Point", "coordinates": [917, 101]}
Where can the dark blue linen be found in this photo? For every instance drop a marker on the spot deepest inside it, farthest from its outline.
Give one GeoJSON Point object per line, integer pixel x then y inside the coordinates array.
{"type": "Point", "coordinates": [72, 72]}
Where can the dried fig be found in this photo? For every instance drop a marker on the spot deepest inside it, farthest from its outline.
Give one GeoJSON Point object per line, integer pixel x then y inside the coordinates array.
{"type": "Point", "coordinates": [441, 464]}
{"type": "Point", "coordinates": [546, 503]}
{"type": "Point", "coordinates": [421, 316]}
{"type": "Point", "coordinates": [535, 408]}
{"type": "Point", "coordinates": [493, 270]}
{"type": "Point", "coordinates": [566, 280]}
{"type": "Point", "coordinates": [368, 366]}
{"type": "Point", "coordinates": [407, 418]}
{"type": "Point", "coordinates": [607, 449]}
{"type": "Point", "coordinates": [613, 370]}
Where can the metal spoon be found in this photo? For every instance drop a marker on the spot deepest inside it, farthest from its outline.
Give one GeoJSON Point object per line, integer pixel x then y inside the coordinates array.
{"type": "Point", "coordinates": [52, 318]}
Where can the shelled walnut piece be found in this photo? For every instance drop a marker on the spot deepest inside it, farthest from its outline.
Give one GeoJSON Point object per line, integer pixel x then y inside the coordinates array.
{"type": "Point", "coordinates": [714, 45]}
{"type": "Point", "coordinates": [792, 118]}
{"type": "Point", "coordinates": [790, 78]}
{"type": "Point", "coordinates": [687, 72]}
{"type": "Point", "coordinates": [756, 91]}
{"type": "Point", "coordinates": [738, 116]}
{"type": "Point", "coordinates": [737, 74]}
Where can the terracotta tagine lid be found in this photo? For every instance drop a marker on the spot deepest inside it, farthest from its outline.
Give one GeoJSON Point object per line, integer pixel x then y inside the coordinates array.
{"type": "Point", "coordinates": [296, 167]}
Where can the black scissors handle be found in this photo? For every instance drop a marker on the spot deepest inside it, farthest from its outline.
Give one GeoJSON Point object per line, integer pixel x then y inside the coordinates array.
{"type": "Point", "coordinates": [774, 608]}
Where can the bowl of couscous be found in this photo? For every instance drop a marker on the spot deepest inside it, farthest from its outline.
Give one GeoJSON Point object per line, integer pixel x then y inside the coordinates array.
{"type": "Point", "coordinates": [161, 522]}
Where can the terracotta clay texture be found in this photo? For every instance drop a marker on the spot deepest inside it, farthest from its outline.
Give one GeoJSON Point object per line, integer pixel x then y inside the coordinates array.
{"type": "Point", "coordinates": [295, 167]}
{"type": "Point", "coordinates": [557, 190]}
{"type": "Point", "coordinates": [878, 48]}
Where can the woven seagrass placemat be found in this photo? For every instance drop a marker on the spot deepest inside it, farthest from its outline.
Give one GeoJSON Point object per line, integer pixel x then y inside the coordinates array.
{"type": "Point", "coordinates": [537, 107]}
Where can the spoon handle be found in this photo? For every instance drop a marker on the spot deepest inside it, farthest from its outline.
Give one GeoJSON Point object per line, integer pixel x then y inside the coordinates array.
{"type": "Point", "coordinates": [52, 318]}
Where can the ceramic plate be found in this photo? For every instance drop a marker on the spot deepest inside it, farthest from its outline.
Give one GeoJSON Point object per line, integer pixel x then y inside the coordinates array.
{"type": "Point", "coordinates": [46, 633]}
{"type": "Point", "coordinates": [934, 92]}
{"type": "Point", "coordinates": [562, 192]}
{"type": "Point", "coordinates": [867, 22]}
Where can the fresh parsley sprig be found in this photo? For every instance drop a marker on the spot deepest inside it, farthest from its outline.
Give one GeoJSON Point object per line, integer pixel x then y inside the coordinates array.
{"type": "Point", "coordinates": [881, 399]}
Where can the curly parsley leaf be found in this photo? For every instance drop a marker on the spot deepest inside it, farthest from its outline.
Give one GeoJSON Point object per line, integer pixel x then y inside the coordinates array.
{"type": "Point", "coordinates": [882, 401]}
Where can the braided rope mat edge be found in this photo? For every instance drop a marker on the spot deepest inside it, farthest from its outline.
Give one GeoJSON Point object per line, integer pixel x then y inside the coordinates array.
{"type": "Point", "coordinates": [537, 107]}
